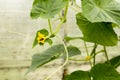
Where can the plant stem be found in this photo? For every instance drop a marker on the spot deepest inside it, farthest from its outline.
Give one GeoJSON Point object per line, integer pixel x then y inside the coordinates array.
{"type": "Point", "coordinates": [66, 10]}
{"type": "Point", "coordinates": [94, 59]}
{"type": "Point", "coordinates": [50, 26]}
{"type": "Point", "coordinates": [93, 53]}
{"type": "Point", "coordinates": [66, 60]}
{"type": "Point", "coordinates": [64, 73]}
{"type": "Point", "coordinates": [76, 59]}
{"type": "Point", "coordinates": [59, 26]}
{"type": "Point", "coordinates": [99, 52]}
{"type": "Point", "coordinates": [62, 21]}
{"type": "Point", "coordinates": [86, 48]}
{"type": "Point", "coordinates": [87, 53]}
{"type": "Point", "coordinates": [106, 55]}
{"type": "Point", "coordinates": [65, 34]}
{"type": "Point", "coordinates": [94, 49]}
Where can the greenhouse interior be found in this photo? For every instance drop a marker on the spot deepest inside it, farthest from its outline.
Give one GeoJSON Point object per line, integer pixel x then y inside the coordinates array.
{"type": "Point", "coordinates": [59, 39]}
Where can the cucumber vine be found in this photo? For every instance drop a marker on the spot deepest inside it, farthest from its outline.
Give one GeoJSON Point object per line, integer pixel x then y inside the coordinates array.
{"type": "Point", "coordinates": [96, 19]}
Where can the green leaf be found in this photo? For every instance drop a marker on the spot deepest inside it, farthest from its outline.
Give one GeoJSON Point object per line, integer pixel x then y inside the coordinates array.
{"type": "Point", "coordinates": [66, 77]}
{"type": "Point", "coordinates": [115, 62]}
{"type": "Point", "coordinates": [49, 41]}
{"type": "Point", "coordinates": [50, 54]}
{"type": "Point", "coordinates": [47, 8]}
{"type": "Point", "coordinates": [78, 75]}
{"type": "Point", "coordinates": [99, 32]}
{"type": "Point", "coordinates": [101, 10]}
{"type": "Point", "coordinates": [104, 72]}
{"type": "Point", "coordinates": [44, 32]}
{"type": "Point", "coordinates": [46, 56]}
{"type": "Point", "coordinates": [72, 51]}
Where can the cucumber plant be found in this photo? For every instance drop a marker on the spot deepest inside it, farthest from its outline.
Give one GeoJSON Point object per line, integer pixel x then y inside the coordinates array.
{"type": "Point", "coordinates": [96, 20]}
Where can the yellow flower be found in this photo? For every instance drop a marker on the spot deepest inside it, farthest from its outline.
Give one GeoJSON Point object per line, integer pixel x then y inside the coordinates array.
{"type": "Point", "coordinates": [41, 38]}
{"type": "Point", "coordinates": [88, 58]}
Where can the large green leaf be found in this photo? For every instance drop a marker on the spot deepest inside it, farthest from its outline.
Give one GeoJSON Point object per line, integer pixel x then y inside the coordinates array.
{"type": "Point", "coordinates": [78, 75]}
{"type": "Point", "coordinates": [72, 51]}
{"type": "Point", "coordinates": [104, 72]}
{"type": "Point", "coordinates": [46, 56]}
{"type": "Point", "coordinates": [47, 8]}
{"type": "Point", "coordinates": [50, 54]}
{"type": "Point", "coordinates": [115, 62]}
{"type": "Point", "coordinates": [99, 32]}
{"type": "Point", "coordinates": [101, 10]}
